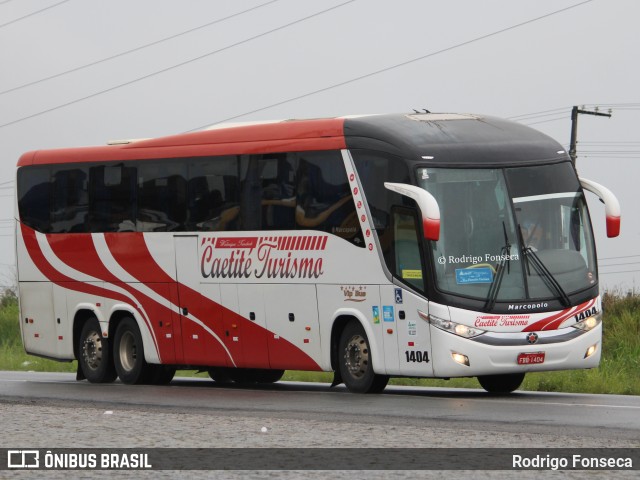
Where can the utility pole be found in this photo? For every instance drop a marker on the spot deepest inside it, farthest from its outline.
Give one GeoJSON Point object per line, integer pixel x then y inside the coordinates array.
{"type": "Point", "coordinates": [574, 128]}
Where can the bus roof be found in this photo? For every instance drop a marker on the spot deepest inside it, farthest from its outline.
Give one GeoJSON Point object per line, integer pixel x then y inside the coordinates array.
{"type": "Point", "coordinates": [439, 138]}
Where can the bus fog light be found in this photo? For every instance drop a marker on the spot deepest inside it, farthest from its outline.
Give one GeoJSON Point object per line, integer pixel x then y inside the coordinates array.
{"type": "Point", "coordinates": [590, 351]}
{"type": "Point", "coordinates": [461, 359]}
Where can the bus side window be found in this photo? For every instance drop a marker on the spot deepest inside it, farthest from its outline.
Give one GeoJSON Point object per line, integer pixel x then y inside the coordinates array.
{"type": "Point", "coordinates": [34, 197]}
{"type": "Point", "coordinates": [278, 201]}
{"type": "Point", "coordinates": [407, 262]}
{"type": "Point", "coordinates": [112, 198]}
{"type": "Point", "coordinates": [161, 197]}
{"type": "Point", "coordinates": [324, 200]}
{"type": "Point", "coordinates": [213, 194]}
{"type": "Point", "coordinates": [70, 203]}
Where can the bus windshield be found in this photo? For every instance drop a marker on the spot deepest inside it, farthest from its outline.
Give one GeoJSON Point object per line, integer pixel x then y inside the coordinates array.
{"type": "Point", "coordinates": [511, 234]}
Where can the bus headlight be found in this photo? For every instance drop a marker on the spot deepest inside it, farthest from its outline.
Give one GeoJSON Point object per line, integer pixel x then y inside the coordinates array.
{"type": "Point", "coordinates": [588, 323]}
{"type": "Point", "coordinates": [451, 327]}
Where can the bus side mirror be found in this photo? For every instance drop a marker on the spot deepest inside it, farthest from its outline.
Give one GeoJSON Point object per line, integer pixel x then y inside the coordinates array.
{"type": "Point", "coordinates": [611, 205]}
{"type": "Point", "coordinates": [428, 207]}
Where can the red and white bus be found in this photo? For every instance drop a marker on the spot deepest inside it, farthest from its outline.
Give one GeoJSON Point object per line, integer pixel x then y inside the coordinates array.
{"type": "Point", "coordinates": [410, 245]}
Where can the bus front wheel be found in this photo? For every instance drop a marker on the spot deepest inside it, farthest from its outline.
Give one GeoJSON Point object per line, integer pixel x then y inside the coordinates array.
{"type": "Point", "coordinates": [506, 383]}
{"type": "Point", "coordinates": [356, 366]}
{"type": "Point", "coordinates": [128, 353]}
{"type": "Point", "coordinates": [94, 354]}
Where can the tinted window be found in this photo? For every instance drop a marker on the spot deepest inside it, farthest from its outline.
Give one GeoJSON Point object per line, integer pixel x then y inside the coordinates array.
{"type": "Point", "coordinates": [268, 192]}
{"type": "Point", "coordinates": [162, 196]}
{"type": "Point", "coordinates": [278, 181]}
{"type": "Point", "coordinates": [374, 169]}
{"type": "Point", "coordinates": [407, 263]}
{"type": "Point", "coordinates": [34, 197]}
{"type": "Point", "coordinates": [112, 198]}
{"type": "Point", "coordinates": [70, 201]}
{"type": "Point", "coordinates": [278, 191]}
{"type": "Point", "coordinates": [541, 180]}
{"type": "Point", "coordinates": [324, 200]}
{"type": "Point", "coordinates": [213, 194]}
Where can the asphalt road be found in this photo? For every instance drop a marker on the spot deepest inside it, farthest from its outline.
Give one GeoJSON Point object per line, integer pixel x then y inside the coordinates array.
{"type": "Point", "coordinates": [53, 410]}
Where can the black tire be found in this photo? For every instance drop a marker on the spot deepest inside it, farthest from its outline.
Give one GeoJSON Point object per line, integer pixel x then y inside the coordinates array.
{"type": "Point", "coordinates": [501, 384]}
{"type": "Point", "coordinates": [160, 374]}
{"type": "Point", "coordinates": [94, 354]}
{"type": "Point", "coordinates": [354, 359]}
{"type": "Point", "coordinates": [128, 354]}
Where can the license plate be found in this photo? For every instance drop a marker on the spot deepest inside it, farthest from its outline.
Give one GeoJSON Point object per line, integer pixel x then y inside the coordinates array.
{"type": "Point", "coordinates": [530, 358]}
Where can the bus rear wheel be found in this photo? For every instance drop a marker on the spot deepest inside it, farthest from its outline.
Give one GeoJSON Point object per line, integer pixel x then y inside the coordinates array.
{"type": "Point", "coordinates": [501, 384]}
{"type": "Point", "coordinates": [356, 367]}
{"type": "Point", "coordinates": [94, 354]}
{"type": "Point", "coordinates": [129, 353]}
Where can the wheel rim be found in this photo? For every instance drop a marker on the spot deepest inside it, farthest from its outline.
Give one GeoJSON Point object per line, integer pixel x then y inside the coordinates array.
{"type": "Point", "coordinates": [356, 356]}
{"type": "Point", "coordinates": [128, 351]}
{"type": "Point", "coordinates": [92, 350]}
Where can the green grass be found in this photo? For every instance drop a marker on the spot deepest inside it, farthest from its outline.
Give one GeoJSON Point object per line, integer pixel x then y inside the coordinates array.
{"type": "Point", "coordinates": [619, 371]}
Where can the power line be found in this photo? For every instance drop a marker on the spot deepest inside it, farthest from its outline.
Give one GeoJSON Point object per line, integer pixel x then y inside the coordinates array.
{"type": "Point", "coordinates": [34, 13]}
{"type": "Point", "coordinates": [72, 70]}
{"type": "Point", "coordinates": [179, 65]}
{"type": "Point", "coordinates": [621, 271]}
{"type": "Point", "coordinates": [610, 265]}
{"type": "Point", "coordinates": [398, 65]}
{"type": "Point", "coordinates": [616, 258]}
{"type": "Point", "coordinates": [541, 114]}
{"type": "Point", "coordinates": [619, 157]}
{"type": "Point", "coordinates": [598, 144]}
{"type": "Point", "coordinates": [546, 121]}
{"type": "Point", "coordinates": [554, 114]}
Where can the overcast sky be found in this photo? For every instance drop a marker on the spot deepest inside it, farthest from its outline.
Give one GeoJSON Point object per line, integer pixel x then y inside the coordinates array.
{"type": "Point", "coordinates": [262, 59]}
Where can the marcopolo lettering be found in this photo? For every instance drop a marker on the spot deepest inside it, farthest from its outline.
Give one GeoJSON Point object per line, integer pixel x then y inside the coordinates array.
{"type": "Point", "coordinates": [528, 306]}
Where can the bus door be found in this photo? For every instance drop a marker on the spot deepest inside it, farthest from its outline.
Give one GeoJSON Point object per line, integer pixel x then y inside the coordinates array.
{"type": "Point", "coordinates": [201, 315]}
{"type": "Point", "coordinates": [400, 305]}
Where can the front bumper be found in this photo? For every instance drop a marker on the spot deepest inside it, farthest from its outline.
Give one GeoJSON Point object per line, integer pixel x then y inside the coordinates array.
{"type": "Point", "coordinates": [499, 356]}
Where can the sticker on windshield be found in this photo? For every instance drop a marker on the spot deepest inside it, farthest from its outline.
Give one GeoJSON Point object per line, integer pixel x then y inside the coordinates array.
{"type": "Point", "coordinates": [412, 274]}
{"type": "Point", "coordinates": [465, 276]}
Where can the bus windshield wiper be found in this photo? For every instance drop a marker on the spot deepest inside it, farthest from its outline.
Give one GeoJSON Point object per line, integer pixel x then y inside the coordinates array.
{"type": "Point", "coordinates": [505, 262]}
{"type": "Point", "coordinates": [532, 258]}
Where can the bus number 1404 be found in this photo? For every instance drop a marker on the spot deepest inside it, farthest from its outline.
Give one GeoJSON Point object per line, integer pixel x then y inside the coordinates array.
{"type": "Point", "coordinates": [417, 356]}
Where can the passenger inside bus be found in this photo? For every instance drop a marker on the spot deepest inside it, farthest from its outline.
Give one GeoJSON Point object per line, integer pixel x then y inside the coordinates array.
{"type": "Point", "coordinates": [320, 202]}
